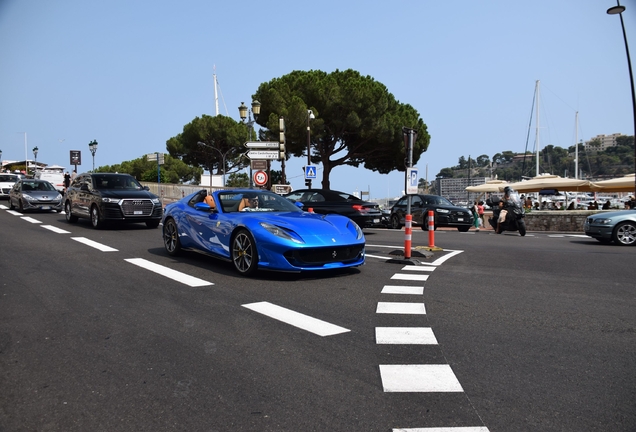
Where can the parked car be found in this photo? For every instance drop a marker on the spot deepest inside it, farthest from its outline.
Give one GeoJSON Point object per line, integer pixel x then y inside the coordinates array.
{"type": "Point", "coordinates": [7, 180]}
{"type": "Point", "coordinates": [324, 201]}
{"type": "Point", "coordinates": [32, 194]}
{"type": "Point", "coordinates": [445, 213]}
{"type": "Point", "coordinates": [617, 226]}
{"type": "Point", "coordinates": [106, 197]}
{"type": "Point", "coordinates": [257, 229]}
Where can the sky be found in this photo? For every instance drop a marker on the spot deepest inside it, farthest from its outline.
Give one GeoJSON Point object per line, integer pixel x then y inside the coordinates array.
{"type": "Point", "coordinates": [132, 74]}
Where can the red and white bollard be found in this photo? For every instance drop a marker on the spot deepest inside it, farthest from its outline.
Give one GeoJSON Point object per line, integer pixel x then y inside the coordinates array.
{"type": "Point", "coordinates": [431, 229]}
{"type": "Point", "coordinates": [408, 222]}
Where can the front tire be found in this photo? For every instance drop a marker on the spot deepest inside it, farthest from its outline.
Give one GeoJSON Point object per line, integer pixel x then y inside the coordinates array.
{"type": "Point", "coordinates": [522, 227]}
{"type": "Point", "coordinates": [625, 234]}
{"type": "Point", "coordinates": [395, 222]}
{"type": "Point", "coordinates": [96, 218]}
{"type": "Point", "coordinates": [244, 253]}
{"type": "Point", "coordinates": [171, 238]}
{"type": "Point", "coordinates": [69, 216]}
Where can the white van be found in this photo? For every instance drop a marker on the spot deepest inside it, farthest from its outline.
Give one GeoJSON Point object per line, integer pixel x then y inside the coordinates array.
{"type": "Point", "coordinates": [55, 177]}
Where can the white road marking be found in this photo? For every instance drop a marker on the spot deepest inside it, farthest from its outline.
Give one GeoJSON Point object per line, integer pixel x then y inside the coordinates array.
{"type": "Point", "coordinates": [405, 335]}
{"type": "Point", "coordinates": [94, 244]}
{"type": "Point", "coordinates": [401, 308]}
{"type": "Point", "coordinates": [413, 277]}
{"type": "Point", "coordinates": [419, 378]}
{"type": "Point", "coordinates": [55, 229]}
{"type": "Point", "coordinates": [418, 268]}
{"type": "Point", "coordinates": [3, 207]}
{"type": "Point", "coordinates": [399, 289]}
{"type": "Point", "coordinates": [442, 259]}
{"type": "Point", "coordinates": [168, 272]}
{"type": "Point", "coordinates": [296, 319]}
{"type": "Point", "coordinates": [30, 219]}
{"type": "Point", "coordinates": [446, 429]}
{"type": "Point", "coordinates": [375, 256]}
{"type": "Point", "coordinates": [14, 213]}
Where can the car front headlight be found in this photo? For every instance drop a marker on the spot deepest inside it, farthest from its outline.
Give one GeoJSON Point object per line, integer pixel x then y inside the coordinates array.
{"type": "Point", "coordinates": [355, 229]}
{"type": "Point", "coordinates": [110, 200]}
{"type": "Point", "coordinates": [27, 197]}
{"type": "Point", "coordinates": [156, 201]}
{"type": "Point", "coordinates": [603, 221]}
{"type": "Point", "coordinates": [282, 232]}
{"type": "Point", "coordinates": [444, 211]}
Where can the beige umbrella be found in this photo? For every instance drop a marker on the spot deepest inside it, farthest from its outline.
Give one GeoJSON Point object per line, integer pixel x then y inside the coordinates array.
{"type": "Point", "coordinates": [541, 182]}
{"type": "Point", "coordinates": [489, 186]}
{"type": "Point", "coordinates": [621, 184]}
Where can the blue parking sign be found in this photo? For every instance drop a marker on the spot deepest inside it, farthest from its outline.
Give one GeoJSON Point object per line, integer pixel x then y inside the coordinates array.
{"type": "Point", "coordinates": [411, 181]}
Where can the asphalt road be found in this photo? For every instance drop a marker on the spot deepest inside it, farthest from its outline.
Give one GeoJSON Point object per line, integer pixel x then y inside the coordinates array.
{"type": "Point", "coordinates": [494, 332]}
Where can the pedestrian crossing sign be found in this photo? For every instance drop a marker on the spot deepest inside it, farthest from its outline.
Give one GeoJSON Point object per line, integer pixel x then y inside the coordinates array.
{"type": "Point", "coordinates": [310, 172]}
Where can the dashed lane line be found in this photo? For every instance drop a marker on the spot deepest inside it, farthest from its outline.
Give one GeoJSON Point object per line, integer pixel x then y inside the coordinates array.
{"type": "Point", "coordinates": [55, 229]}
{"type": "Point", "coordinates": [296, 319]}
{"type": "Point", "coordinates": [94, 244]}
{"type": "Point", "coordinates": [445, 429]}
{"type": "Point", "coordinates": [401, 308]}
{"type": "Point", "coordinates": [433, 378]}
{"type": "Point", "coordinates": [168, 272]}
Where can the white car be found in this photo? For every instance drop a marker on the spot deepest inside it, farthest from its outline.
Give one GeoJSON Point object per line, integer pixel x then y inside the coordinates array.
{"type": "Point", "coordinates": [7, 180]}
{"type": "Point", "coordinates": [56, 178]}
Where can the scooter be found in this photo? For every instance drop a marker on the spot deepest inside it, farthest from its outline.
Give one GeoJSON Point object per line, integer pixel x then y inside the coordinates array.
{"type": "Point", "coordinates": [514, 217]}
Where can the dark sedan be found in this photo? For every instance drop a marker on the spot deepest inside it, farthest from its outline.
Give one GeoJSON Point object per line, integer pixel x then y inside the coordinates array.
{"type": "Point", "coordinates": [445, 213]}
{"type": "Point", "coordinates": [324, 201]}
{"type": "Point", "coordinates": [28, 194]}
{"type": "Point", "coordinates": [105, 197]}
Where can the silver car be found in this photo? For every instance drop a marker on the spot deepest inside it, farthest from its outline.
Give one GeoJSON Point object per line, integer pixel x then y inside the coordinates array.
{"type": "Point", "coordinates": [618, 227]}
{"type": "Point", "coordinates": [32, 194]}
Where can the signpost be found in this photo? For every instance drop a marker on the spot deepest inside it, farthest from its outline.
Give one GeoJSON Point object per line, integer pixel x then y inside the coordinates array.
{"type": "Point", "coordinates": [260, 178]}
{"type": "Point", "coordinates": [261, 144]}
{"type": "Point", "coordinates": [263, 154]}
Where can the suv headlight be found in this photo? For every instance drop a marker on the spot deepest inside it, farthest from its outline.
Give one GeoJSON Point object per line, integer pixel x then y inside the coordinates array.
{"type": "Point", "coordinates": [110, 200]}
{"type": "Point", "coordinates": [444, 211]}
{"type": "Point", "coordinates": [156, 201]}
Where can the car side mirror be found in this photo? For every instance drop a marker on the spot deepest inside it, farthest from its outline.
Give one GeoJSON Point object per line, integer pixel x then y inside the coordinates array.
{"type": "Point", "coordinates": [146, 188]}
{"type": "Point", "coordinates": [203, 207]}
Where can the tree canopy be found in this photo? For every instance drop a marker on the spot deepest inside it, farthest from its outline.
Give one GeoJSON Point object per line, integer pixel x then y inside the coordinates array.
{"type": "Point", "coordinates": [357, 121]}
{"type": "Point", "coordinates": [172, 171]}
{"type": "Point", "coordinates": [222, 136]}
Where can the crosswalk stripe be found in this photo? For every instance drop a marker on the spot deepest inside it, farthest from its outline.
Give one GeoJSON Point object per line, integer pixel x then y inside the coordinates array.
{"type": "Point", "coordinates": [296, 319]}
{"type": "Point", "coordinates": [418, 268]}
{"type": "Point", "coordinates": [405, 335]}
{"type": "Point", "coordinates": [446, 429]}
{"type": "Point", "coordinates": [401, 289]}
{"type": "Point", "coordinates": [414, 277]}
{"type": "Point", "coordinates": [419, 378]}
{"type": "Point", "coordinates": [169, 273]}
{"type": "Point", "coordinates": [401, 308]}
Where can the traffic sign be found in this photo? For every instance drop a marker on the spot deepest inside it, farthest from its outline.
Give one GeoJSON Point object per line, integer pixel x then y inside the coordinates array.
{"type": "Point", "coordinates": [262, 144]}
{"type": "Point", "coordinates": [310, 172]}
{"type": "Point", "coordinates": [411, 181]}
{"type": "Point", "coordinates": [263, 154]}
{"type": "Point", "coordinates": [258, 164]}
{"type": "Point", "coordinates": [260, 178]}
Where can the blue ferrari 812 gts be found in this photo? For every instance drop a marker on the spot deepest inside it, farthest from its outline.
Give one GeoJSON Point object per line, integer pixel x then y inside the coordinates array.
{"type": "Point", "coordinates": [258, 229]}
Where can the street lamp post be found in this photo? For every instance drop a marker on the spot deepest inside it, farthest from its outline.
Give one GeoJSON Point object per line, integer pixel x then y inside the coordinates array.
{"type": "Point", "coordinates": [35, 155]}
{"type": "Point", "coordinates": [223, 156]}
{"type": "Point", "coordinates": [245, 113]}
{"type": "Point", "coordinates": [310, 116]}
{"type": "Point", "coordinates": [92, 146]}
{"type": "Point", "coordinates": [618, 10]}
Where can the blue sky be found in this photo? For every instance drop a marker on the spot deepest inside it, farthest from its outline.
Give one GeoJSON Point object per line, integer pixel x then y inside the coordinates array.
{"type": "Point", "coordinates": [131, 74]}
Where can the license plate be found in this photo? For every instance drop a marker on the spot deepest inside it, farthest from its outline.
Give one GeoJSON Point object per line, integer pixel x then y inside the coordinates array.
{"type": "Point", "coordinates": [460, 219]}
{"type": "Point", "coordinates": [138, 212]}
{"type": "Point", "coordinates": [45, 207]}
{"type": "Point", "coordinates": [376, 220]}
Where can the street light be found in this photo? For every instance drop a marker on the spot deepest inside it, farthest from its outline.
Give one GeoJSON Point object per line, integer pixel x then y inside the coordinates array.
{"type": "Point", "coordinates": [223, 155]}
{"type": "Point", "coordinates": [618, 10]}
{"type": "Point", "coordinates": [92, 146]}
{"type": "Point", "coordinates": [245, 113]}
{"type": "Point", "coordinates": [35, 155]}
{"type": "Point", "coordinates": [310, 116]}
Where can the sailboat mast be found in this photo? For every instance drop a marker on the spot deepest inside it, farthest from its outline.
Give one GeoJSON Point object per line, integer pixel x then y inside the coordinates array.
{"type": "Point", "coordinates": [216, 96]}
{"type": "Point", "coordinates": [537, 140]}
{"type": "Point", "coordinates": [576, 147]}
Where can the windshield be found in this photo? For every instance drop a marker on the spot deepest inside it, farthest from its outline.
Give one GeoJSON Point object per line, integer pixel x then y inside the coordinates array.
{"type": "Point", "coordinates": [8, 178]}
{"type": "Point", "coordinates": [115, 181]}
{"type": "Point", "coordinates": [28, 186]}
{"type": "Point", "coordinates": [255, 201]}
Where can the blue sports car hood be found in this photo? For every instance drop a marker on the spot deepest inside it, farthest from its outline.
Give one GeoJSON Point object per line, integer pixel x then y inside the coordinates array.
{"type": "Point", "coordinates": [313, 228]}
